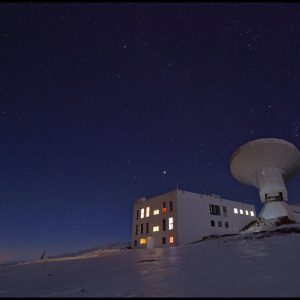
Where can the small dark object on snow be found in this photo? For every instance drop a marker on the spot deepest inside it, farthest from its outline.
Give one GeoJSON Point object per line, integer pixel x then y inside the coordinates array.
{"type": "Point", "coordinates": [144, 260]}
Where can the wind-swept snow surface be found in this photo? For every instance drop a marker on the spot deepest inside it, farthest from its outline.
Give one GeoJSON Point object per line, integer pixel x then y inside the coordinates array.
{"type": "Point", "coordinates": [242, 265]}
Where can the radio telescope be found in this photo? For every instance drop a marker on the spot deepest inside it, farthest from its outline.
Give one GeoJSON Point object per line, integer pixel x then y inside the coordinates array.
{"type": "Point", "coordinates": [265, 164]}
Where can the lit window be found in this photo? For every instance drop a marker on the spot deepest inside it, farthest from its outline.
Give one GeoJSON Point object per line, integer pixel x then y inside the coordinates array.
{"type": "Point", "coordinates": [246, 211]}
{"type": "Point", "coordinates": [156, 212]}
{"type": "Point", "coordinates": [142, 213]}
{"type": "Point", "coordinates": [171, 239]}
{"type": "Point", "coordinates": [235, 210]}
{"type": "Point", "coordinates": [164, 210]}
{"type": "Point", "coordinates": [241, 212]}
{"type": "Point", "coordinates": [252, 213]}
{"type": "Point", "coordinates": [170, 223]}
{"type": "Point", "coordinates": [143, 241]}
{"type": "Point", "coordinates": [147, 211]}
{"type": "Point", "coordinates": [155, 228]}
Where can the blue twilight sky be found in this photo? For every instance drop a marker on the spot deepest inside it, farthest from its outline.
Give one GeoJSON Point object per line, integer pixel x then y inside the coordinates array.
{"type": "Point", "coordinates": [97, 100]}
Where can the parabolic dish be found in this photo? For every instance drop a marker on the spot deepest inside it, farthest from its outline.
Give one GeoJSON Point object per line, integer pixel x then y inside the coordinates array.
{"type": "Point", "coordinates": [263, 153]}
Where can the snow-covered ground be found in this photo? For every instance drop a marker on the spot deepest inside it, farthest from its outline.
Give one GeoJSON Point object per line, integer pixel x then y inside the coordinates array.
{"type": "Point", "coordinates": [246, 265]}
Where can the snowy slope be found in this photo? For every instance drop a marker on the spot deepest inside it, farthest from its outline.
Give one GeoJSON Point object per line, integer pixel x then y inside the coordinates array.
{"type": "Point", "coordinates": [241, 265]}
{"type": "Point", "coordinates": [95, 251]}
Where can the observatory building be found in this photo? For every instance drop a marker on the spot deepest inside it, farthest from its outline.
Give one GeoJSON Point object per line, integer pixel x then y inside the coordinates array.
{"type": "Point", "coordinates": [266, 164]}
{"type": "Point", "coordinates": [179, 217]}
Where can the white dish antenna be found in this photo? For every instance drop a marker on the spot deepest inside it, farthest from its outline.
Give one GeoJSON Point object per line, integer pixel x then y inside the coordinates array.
{"type": "Point", "coordinates": [265, 164]}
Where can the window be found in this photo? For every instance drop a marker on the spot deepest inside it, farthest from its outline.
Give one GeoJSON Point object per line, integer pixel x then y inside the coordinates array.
{"type": "Point", "coordinates": [155, 228]}
{"type": "Point", "coordinates": [214, 209]}
{"type": "Point", "coordinates": [246, 212]}
{"type": "Point", "coordinates": [147, 227]}
{"type": "Point", "coordinates": [171, 239]}
{"type": "Point", "coordinates": [241, 212]}
{"type": "Point", "coordinates": [252, 213]}
{"type": "Point", "coordinates": [170, 223]}
{"type": "Point", "coordinates": [163, 240]}
{"type": "Point", "coordinates": [142, 228]}
{"type": "Point", "coordinates": [224, 211]}
{"type": "Point", "coordinates": [137, 214]}
{"type": "Point", "coordinates": [142, 213]}
{"type": "Point", "coordinates": [143, 241]}
{"type": "Point", "coordinates": [164, 210]}
{"type": "Point", "coordinates": [136, 229]}
{"type": "Point", "coordinates": [147, 211]}
{"type": "Point", "coordinates": [212, 223]}
{"type": "Point", "coordinates": [226, 224]}
{"type": "Point", "coordinates": [235, 210]}
{"type": "Point", "coordinates": [135, 243]}
{"type": "Point", "coordinates": [164, 224]}
{"type": "Point", "coordinates": [156, 212]}
{"type": "Point", "coordinates": [171, 205]}
{"type": "Point", "coordinates": [220, 223]}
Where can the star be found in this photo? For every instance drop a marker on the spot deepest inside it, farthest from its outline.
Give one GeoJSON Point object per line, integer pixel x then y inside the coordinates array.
{"type": "Point", "coordinates": [164, 172]}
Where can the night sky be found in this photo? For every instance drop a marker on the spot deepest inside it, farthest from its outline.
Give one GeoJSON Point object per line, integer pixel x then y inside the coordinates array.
{"type": "Point", "coordinates": [103, 102]}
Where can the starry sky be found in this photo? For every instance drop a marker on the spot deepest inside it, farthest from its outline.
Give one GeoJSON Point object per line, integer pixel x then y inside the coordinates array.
{"type": "Point", "coordinates": [103, 102]}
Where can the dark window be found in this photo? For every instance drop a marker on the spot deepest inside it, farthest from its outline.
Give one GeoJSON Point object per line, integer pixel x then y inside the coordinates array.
{"type": "Point", "coordinates": [226, 224]}
{"type": "Point", "coordinates": [171, 205]}
{"type": "Point", "coordinates": [142, 228]}
{"type": "Point", "coordinates": [147, 227]}
{"type": "Point", "coordinates": [164, 224]}
{"type": "Point", "coordinates": [214, 209]}
{"type": "Point", "coordinates": [212, 223]}
{"type": "Point", "coordinates": [164, 210]}
{"type": "Point", "coordinates": [136, 229]}
{"type": "Point", "coordinates": [135, 243]}
{"type": "Point", "coordinates": [163, 240]}
{"type": "Point", "coordinates": [224, 211]}
{"type": "Point", "coordinates": [137, 214]}
{"type": "Point", "coordinates": [220, 223]}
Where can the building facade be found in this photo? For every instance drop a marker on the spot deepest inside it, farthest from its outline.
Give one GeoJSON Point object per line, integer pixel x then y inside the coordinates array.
{"type": "Point", "coordinates": [180, 217]}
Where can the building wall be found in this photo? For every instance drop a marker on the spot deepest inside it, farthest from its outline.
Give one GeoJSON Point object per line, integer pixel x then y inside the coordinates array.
{"type": "Point", "coordinates": [155, 203]}
{"type": "Point", "coordinates": [194, 218]}
{"type": "Point", "coordinates": [191, 218]}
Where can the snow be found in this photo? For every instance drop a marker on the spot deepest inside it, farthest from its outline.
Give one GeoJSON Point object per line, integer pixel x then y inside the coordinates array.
{"type": "Point", "coordinates": [242, 265]}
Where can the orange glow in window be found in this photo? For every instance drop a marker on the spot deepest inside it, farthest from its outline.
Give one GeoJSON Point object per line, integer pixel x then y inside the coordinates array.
{"type": "Point", "coordinates": [143, 241]}
{"type": "Point", "coordinates": [171, 239]}
{"type": "Point", "coordinates": [164, 210]}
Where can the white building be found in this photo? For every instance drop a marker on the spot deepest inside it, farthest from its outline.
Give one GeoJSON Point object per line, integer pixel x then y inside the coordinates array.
{"type": "Point", "coordinates": [179, 217]}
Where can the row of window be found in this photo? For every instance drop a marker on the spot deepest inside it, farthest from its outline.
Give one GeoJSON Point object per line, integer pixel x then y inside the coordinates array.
{"type": "Point", "coordinates": [212, 223]}
{"type": "Point", "coordinates": [236, 211]}
{"type": "Point", "coordinates": [143, 241]}
{"type": "Point", "coordinates": [156, 227]}
{"type": "Point", "coordinates": [215, 210]}
{"type": "Point", "coordinates": [155, 212]}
